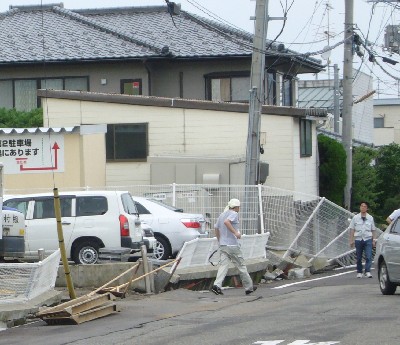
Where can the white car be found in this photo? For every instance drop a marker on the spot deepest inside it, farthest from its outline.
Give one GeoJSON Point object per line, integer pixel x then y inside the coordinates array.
{"type": "Point", "coordinates": [171, 227]}
{"type": "Point", "coordinates": [90, 219]}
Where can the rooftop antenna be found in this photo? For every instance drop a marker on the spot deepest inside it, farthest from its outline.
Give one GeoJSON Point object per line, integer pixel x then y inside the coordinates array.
{"type": "Point", "coordinates": [326, 55]}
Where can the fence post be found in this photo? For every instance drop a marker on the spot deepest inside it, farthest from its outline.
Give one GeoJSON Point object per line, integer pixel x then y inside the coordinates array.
{"type": "Point", "coordinates": [261, 209]}
{"type": "Point", "coordinates": [174, 194]}
{"type": "Point", "coordinates": [304, 227]}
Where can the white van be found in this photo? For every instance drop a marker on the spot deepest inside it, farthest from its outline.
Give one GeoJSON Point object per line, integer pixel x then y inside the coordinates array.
{"type": "Point", "coordinates": [90, 220]}
{"type": "Point", "coordinates": [12, 237]}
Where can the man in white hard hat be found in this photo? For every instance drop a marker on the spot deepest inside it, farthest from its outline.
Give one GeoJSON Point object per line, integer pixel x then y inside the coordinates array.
{"type": "Point", "coordinates": [227, 232]}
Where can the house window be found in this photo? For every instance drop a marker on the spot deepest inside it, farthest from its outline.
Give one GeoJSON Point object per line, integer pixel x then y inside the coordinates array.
{"type": "Point", "coordinates": [379, 122]}
{"type": "Point", "coordinates": [235, 87]}
{"type": "Point", "coordinates": [305, 138]}
{"type": "Point", "coordinates": [228, 87]}
{"type": "Point", "coordinates": [21, 94]}
{"type": "Point", "coordinates": [131, 86]}
{"type": "Point", "coordinates": [287, 96]}
{"type": "Point", "coordinates": [270, 88]}
{"type": "Point", "coordinates": [127, 142]}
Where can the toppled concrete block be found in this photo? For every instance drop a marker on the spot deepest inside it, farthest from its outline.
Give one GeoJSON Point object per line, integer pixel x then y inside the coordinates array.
{"type": "Point", "coordinates": [318, 264]}
{"type": "Point", "coordinates": [296, 273]}
{"type": "Point", "coordinates": [273, 275]}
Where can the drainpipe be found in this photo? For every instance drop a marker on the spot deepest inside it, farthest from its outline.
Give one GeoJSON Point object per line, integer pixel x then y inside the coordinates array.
{"type": "Point", "coordinates": [148, 77]}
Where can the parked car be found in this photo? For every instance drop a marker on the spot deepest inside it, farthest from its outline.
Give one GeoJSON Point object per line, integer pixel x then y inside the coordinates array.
{"type": "Point", "coordinates": [171, 226]}
{"type": "Point", "coordinates": [12, 239]}
{"type": "Point", "coordinates": [90, 219]}
{"type": "Point", "coordinates": [387, 258]}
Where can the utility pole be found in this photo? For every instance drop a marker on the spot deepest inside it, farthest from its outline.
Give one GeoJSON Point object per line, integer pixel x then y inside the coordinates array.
{"type": "Point", "coordinates": [256, 93]}
{"type": "Point", "coordinates": [347, 135]}
{"type": "Point", "coordinates": [336, 99]}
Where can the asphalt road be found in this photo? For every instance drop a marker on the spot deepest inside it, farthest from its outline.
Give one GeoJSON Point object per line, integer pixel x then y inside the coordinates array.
{"type": "Point", "coordinates": [333, 308]}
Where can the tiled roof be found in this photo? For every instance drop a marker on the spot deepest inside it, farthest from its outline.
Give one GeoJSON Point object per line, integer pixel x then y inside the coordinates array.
{"type": "Point", "coordinates": [30, 34]}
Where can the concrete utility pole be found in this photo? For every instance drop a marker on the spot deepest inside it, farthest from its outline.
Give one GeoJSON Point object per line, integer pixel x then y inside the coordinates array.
{"type": "Point", "coordinates": [347, 135]}
{"type": "Point", "coordinates": [336, 98]}
{"type": "Point", "coordinates": [256, 93]}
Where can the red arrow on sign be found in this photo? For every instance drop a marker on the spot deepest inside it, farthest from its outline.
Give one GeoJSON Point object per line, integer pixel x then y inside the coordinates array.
{"type": "Point", "coordinates": [55, 148]}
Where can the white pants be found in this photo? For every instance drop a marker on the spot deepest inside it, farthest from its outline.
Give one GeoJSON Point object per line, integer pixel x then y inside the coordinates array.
{"type": "Point", "coordinates": [233, 254]}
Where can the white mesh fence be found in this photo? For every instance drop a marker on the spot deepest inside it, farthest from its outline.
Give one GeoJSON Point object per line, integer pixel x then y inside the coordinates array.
{"type": "Point", "coordinates": [24, 281]}
{"type": "Point", "coordinates": [298, 223]}
{"type": "Point", "coordinates": [197, 252]}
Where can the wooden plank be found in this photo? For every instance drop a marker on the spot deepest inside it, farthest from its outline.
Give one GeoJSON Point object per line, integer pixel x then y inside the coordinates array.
{"type": "Point", "coordinates": [84, 316]}
{"type": "Point", "coordinates": [76, 306]}
{"type": "Point", "coordinates": [95, 313]}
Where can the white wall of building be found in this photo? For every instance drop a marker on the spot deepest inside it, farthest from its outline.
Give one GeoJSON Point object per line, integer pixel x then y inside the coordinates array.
{"type": "Point", "coordinates": [195, 133]}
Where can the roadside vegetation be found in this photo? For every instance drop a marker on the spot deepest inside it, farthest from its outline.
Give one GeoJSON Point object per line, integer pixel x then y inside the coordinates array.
{"type": "Point", "coordinates": [376, 177]}
{"type": "Point", "coordinates": [11, 118]}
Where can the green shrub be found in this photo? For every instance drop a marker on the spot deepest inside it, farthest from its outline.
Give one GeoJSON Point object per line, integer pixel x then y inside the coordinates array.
{"type": "Point", "coordinates": [11, 118]}
{"type": "Point", "coordinates": [332, 169]}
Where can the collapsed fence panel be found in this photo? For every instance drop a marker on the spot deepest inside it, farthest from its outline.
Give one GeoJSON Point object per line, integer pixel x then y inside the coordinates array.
{"type": "Point", "coordinates": [197, 252]}
{"type": "Point", "coordinates": [25, 281]}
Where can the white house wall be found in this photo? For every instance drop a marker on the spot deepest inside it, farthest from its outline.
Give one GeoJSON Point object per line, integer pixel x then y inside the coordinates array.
{"type": "Point", "coordinates": [390, 133]}
{"type": "Point", "coordinates": [194, 133]}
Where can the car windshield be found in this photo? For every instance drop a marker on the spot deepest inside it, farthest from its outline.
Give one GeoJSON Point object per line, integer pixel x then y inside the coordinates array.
{"type": "Point", "coordinates": [172, 208]}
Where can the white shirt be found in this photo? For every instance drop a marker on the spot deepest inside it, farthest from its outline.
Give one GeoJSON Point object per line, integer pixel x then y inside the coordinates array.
{"type": "Point", "coordinates": [395, 214]}
{"type": "Point", "coordinates": [362, 227]}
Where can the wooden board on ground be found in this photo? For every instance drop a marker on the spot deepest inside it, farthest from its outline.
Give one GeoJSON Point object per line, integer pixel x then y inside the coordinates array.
{"type": "Point", "coordinates": [79, 310]}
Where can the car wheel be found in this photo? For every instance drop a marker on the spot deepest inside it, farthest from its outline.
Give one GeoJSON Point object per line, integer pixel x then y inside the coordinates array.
{"type": "Point", "coordinates": [162, 250]}
{"type": "Point", "coordinates": [86, 253]}
{"type": "Point", "coordinates": [386, 286]}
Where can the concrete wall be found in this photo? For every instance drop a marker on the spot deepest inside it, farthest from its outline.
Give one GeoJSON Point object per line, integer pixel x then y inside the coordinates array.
{"type": "Point", "coordinates": [191, 133]}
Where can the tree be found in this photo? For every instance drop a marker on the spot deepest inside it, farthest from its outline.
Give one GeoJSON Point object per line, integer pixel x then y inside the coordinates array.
{"type": "Point", "coordinates": [12, 118]}
{"type": "Point", "coordinates": [332, 169]}
{"type": "Point", "coordinates": [364, 178]}
{"type": "Point", "coordinates": [388, 184]}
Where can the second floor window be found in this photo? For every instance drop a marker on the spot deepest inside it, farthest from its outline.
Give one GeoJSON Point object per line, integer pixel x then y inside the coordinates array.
{"type": "Point", "coordinates": [287, 94]}
{"type": "Point", "coordinates": [131, 86]}
{"type": "Point", "coordinates": [127, 142]}
{"type": "Point", "coordinates": [235, 87]}
{"type": "Point", "coordinates": [228, 87]}
{"type": "Point", "coordinates": [21, 94]}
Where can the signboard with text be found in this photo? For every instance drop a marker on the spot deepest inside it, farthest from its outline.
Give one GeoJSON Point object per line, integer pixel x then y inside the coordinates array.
{"type": "Point", "coordinates": [32, 153]}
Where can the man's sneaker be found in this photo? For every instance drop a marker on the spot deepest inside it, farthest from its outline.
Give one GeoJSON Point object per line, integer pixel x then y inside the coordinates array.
{"type": "Point", "coordinates": [248, 292]}
{"type": "Point", "coordinates": [359, 275]}
{"type": "Point", "coordinates": [368, 275]}
{"type": "Point", "coordinates": [217, 290]}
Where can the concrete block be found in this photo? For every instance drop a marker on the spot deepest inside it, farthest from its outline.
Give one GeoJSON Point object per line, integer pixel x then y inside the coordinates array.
{"type": "Point", "coordinates": [94, 276]}
{"type": "Point", "coordinates": [318, 264]}
{"type": "Point", "coordinates": [296, 273]}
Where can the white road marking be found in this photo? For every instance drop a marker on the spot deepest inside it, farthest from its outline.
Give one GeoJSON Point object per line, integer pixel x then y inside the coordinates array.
{"type": "Point", "coordinates": [296, 342]}
{"type": "Point", "coordinates": [311, 280]}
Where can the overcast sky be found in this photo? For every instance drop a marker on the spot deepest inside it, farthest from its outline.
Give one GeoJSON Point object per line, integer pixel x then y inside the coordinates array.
{"type": "Point", "coordinates": [306, 29]}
